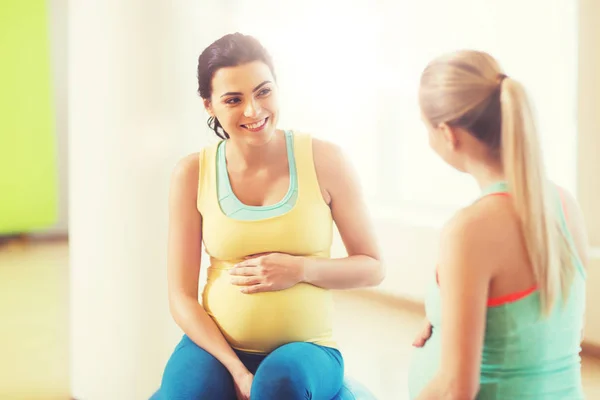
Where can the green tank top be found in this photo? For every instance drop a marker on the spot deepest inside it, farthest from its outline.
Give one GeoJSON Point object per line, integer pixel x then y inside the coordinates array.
{"type": "Point", "coordinates": [234, 208]}
{"type": "Point", "coordinates": [524, 355]}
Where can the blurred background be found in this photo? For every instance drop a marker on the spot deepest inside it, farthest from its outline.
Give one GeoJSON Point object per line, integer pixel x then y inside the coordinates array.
{"type": "Point", "coordinates": [98, 101]}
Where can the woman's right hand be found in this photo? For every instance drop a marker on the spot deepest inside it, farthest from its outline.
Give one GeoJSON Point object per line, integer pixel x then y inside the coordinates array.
{"type": "Point", "coordinates": [424, 334]}
{"type": "Point", "coordinates": [243, 384]}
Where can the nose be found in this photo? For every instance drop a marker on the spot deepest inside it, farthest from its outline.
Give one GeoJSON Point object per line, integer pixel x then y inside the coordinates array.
{"type": "Point", "coordinates": [252, 109]}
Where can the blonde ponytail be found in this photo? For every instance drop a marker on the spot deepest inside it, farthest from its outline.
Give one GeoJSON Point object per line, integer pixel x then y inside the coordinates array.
{"type": "Point", "coordinates": [468, 89]}
{"type": "Point", "coordinates": [534, 198]}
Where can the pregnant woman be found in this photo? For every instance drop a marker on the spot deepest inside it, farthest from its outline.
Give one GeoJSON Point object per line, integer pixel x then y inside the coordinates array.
{"type": "Point", "coordinates": [507, 301]}
{"type": "Point", "coordinates": [263, 200]}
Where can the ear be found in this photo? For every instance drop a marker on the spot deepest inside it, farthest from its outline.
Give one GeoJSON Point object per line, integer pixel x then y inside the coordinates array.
{"type": "Point", "coordinates": [208, 107]}
{"type": "Point", "coordinates": [450, 135]}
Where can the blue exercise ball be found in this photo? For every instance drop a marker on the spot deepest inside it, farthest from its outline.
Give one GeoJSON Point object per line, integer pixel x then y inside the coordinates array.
{"type": "Point", "coordinates": [354, 390]}
{"type": "Point", "coordinates": [351, 390]}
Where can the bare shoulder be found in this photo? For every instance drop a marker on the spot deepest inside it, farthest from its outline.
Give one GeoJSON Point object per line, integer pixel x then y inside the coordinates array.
{"type": "Point", "coordinates": [328, 155]}
{"type": "Point", "coordinates": [332, 163]}
{"type": "Point", "coordinates": [184, 182]}
{"type": "Point", "coordinates": [485, 217]}
{"type": "Point", "coordinates": [335, 172]}
{"type": "Point", "coordinates": [186, 169]}
{"type": "Point", "coordinates": [479, 233]}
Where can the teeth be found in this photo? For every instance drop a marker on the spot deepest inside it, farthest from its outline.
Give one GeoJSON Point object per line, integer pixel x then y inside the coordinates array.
{"type": "Point", "coordinates": [256, 125]}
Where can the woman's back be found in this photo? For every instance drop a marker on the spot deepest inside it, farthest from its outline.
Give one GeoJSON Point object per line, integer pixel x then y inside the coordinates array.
{"type": "Point", "coordinates": [524, 354]}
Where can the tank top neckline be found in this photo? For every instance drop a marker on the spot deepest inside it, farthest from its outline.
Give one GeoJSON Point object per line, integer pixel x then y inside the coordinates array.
{"type": "Point", "coordinates": [222, 165]}
{"type": "Point", "coordinates": [497, 187]}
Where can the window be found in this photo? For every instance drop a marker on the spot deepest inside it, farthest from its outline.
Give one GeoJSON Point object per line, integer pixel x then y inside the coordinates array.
{"type": "Point", "coordinates": [535, 42]}
{"type": "Point", "coordinates": [326, 64]}
{"type": "Point", "coordinates": [350, 74]}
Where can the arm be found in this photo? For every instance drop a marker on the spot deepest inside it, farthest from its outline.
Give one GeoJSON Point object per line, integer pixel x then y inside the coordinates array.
{"type": "Point", "coordinates": [183, 269]}
{"type": "Point", "coordinates": [577, 227]}
{"type": "Point", "coordinates": [464, 276]}
{"type": "Point", "coordinates": [362, 267]}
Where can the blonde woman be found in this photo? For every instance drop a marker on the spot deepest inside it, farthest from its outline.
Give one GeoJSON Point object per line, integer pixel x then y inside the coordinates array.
{"type": "Point", "coordinates": [505, 310]}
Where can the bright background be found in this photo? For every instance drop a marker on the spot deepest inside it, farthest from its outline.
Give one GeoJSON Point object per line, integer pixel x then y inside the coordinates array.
{"type": "Point", "coordinates": [126, 109]}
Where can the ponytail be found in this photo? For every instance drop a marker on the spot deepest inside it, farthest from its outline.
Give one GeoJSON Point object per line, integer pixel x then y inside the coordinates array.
{"type": "Point", "coordinates": [547, 247]}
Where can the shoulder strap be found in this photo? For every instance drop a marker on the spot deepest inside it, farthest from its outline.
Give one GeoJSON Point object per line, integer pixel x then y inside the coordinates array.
{"type": "Point", "coordinates": [563, 217]}
{"type": "Point", "coordinates": [308, 184]}
{"type": "Point", "coordinates": [497, 188]}
{"type": "Point", "coordinates": [206, 175]}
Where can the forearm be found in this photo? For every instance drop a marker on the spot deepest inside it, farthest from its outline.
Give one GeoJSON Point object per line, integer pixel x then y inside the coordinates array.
{"type": "Point", "coordinates": [202, 330]}
{"type": "Point", "coordinates": [343, 273]}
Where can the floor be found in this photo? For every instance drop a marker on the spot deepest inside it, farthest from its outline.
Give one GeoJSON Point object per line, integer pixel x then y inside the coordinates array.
{"type": "Point", "coordinates": [34, 348]}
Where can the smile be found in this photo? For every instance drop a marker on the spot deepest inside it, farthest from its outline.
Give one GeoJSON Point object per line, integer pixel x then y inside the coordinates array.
{"type": "Point", "coordinates": [256, 126]}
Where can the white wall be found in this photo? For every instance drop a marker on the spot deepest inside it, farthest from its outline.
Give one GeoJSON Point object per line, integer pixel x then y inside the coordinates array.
{"type": "Point", "coordinates": [411, 251]}
{"type": "Point", "coordinates": [58, 14]}
{"type": "Point", "coordinates": [133, 112]}
{"type": "Point", "coordinates": [410, 238]}
{"type": "Point", "coordinates": [588, 165]}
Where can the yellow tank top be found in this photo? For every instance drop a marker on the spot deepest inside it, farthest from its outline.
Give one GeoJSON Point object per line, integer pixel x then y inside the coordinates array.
{"type": "Point", "coordinates": [261, 322]}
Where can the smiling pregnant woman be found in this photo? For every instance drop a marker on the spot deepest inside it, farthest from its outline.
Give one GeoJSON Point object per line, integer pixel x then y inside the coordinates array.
{"type": "Point", "coordinates": [263, 201]}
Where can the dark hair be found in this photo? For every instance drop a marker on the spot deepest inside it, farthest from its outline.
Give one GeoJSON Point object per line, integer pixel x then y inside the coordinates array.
{"type": "Point", "coordinates": [229, 51]}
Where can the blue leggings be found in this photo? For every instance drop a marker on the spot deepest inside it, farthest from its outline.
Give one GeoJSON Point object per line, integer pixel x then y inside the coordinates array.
{"type": "Point", "coordinates": [293, 371]}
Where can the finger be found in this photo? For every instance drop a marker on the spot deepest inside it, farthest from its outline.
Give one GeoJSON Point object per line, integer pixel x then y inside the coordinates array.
{"type": "Point", "coordinates": [259, 255]}
{"type": "Point", "coordinates": [243, 271]}
{"type": "Point", "coordinates": [427, 330]}
{"type": "Point", "coordinates": [261, 287]}
{"type": "Point", "coordinates": [423, 336]}
{"type": "Point", "coordinates": [250, 261]}
{"type": "Point", "coordinates": [238, 394]}
{"type": "Point", "coordinates": [251, 256]}
{"type": "Point", "coordinates": [419, 341]}
{"type": "Point", "coordinates": [245, 280]}
{"type": "Point", "coordinates": [245, 263]}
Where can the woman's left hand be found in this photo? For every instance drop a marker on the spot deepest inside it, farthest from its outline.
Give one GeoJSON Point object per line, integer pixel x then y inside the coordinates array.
{"type": "Point", "coordinates": [267, 272]}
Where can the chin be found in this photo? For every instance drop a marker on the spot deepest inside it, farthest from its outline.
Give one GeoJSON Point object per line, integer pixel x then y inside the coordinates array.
{"type": "Point", "coordinates": [260, 139]}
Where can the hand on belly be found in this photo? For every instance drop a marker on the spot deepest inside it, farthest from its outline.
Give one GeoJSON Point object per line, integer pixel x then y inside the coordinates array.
{"type": "Point", "coordinates": [267, 272]}
{"type": "Point", "coordinates": [268, 319]}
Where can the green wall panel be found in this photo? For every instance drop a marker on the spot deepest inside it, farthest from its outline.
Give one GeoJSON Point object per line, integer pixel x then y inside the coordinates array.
{"type": "Point", "coordinates": [28, 171]}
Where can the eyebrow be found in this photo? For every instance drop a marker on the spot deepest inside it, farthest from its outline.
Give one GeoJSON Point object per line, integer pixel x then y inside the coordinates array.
{"type": "Point", "coordinates": [240, 94]}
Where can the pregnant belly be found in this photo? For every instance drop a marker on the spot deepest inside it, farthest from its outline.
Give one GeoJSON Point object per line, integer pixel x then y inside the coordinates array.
{"type": "Point", "coordinates": [424, 365]}
{"type": "Point", "coordinates": [261, 322]}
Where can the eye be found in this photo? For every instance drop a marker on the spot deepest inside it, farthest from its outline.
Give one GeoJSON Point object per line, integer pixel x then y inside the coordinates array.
{"type": "Point", "coordinates": [264, 92]}
{"type": "Point", "coordinates": [232, 100]}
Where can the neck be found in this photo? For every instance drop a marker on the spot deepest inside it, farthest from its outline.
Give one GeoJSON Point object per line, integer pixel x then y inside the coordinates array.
{"type": "Point", "coordinates": [247, 154]}
{"type": "Point", "coordinates": [487, 174]}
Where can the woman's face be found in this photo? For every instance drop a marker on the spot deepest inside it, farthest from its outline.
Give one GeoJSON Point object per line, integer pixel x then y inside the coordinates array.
{"type": "Point", "coordinates": [244, 100]}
